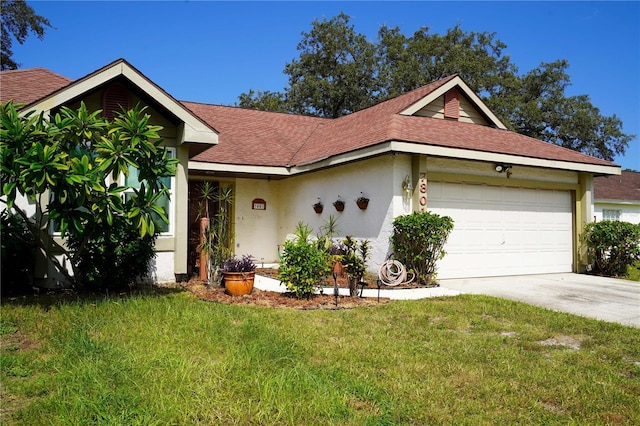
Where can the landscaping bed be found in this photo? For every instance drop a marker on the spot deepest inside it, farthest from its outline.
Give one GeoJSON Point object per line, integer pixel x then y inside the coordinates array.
{"type": "Point", "coordinates": [279, 300]}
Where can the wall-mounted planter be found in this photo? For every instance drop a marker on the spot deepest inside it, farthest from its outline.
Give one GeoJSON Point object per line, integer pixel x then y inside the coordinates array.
{"type": "Point", "coordinates": [339, 205]}
{"type": "Point", "coordinates": [362, 203]}
{"type": "Point", "coordinates": [317, 207]}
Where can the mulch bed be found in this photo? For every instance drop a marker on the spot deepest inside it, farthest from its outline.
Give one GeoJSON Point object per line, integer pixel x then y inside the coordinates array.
{"type": "Point", "coordinates": [281, 300]}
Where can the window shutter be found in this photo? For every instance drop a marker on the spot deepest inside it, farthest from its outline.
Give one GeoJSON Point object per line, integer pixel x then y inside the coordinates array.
{"type": "Point", "coordinates": [113, 100]}
{"type": "Point", "coordinates": [452, 104]}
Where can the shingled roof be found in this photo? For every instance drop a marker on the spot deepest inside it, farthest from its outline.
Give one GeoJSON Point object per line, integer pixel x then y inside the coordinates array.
{"type": "Point", "coordinates": [625, 187]}
{"type": "Point", "coordinates": [276, 139]}
{"type": "Point", "coordinates": [28, 85]}
{"type": "Point", "coordinates": [259, 138]}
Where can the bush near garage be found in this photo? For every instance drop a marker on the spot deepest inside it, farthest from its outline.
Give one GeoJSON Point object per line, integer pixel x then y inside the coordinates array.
{"type": "Point", "coordinates": [418, 242]}
{"type": "Point", "coordinates": [612, 246]}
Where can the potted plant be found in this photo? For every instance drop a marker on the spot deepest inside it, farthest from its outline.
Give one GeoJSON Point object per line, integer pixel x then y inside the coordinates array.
{"type": "Point", "coordinates": [362, 202]}
{"type": "Point", "coordinates": [318, 206]}
{"type": "Point", "coordinates": [239, 275]}
{"type": "Point", "coordinates": [339, 204]}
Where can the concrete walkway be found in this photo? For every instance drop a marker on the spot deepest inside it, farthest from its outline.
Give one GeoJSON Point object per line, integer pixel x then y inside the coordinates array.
{"type": "Point", "coordinates": [607, 299]}
{"type": "Point", "coordinates": [602, 298]}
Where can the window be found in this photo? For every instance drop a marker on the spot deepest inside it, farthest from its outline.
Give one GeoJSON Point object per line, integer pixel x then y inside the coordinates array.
{"type": "Point", "coordinates": [610, 214]}
{"type": "Point", "coordinates": [166, 202]}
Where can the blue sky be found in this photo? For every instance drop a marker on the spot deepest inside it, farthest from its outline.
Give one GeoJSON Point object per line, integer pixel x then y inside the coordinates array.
{"type": "Point", "coordinates": [211, 52]}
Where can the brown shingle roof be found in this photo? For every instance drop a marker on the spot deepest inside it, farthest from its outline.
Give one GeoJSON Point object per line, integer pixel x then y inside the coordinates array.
{"type": "Point", "coordinates": [262, 138]}
{"type": "Point", "coordinates": [624, 187]}
{"type": "Point", "coordinates": [28, 85]}
{"type": "Point", "coordinates": [250, 137]}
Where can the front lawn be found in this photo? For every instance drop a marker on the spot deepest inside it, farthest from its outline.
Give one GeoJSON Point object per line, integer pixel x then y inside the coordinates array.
{"type": "Point", "coordinates": [168, 358]}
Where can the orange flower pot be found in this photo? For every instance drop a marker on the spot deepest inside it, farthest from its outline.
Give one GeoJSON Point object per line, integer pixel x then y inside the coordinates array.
{"type": "Point", "coordinates": [238, 283]}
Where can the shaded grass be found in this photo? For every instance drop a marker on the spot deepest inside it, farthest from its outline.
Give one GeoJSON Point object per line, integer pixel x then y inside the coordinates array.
{"type": "Point", "coordinates": [171, 359]}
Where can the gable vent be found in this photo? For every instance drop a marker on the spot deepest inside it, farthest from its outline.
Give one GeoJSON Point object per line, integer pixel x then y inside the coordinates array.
{"type": "Point", "coordinates": [113, 100]}
{"type": "Point", "coordinates": [452, 104]}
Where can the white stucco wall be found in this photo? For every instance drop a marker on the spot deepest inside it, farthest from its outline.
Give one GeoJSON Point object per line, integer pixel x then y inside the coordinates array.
{"type": "Point", "coordinates": [261, 233]}
{"type": "Point", "coordinates": [629, 212]}
{"type": "Point", "coordinates": [256, 231]}
{"type": "Point", "coordinates": [162, 269]}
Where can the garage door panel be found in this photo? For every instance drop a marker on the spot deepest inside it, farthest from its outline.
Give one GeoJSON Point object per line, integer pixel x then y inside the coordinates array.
{"type": "Point", "coordinates": [504, 230]}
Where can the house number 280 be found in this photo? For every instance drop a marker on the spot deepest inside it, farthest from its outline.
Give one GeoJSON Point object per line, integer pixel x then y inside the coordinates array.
{"type": "Point", "coordinates": [422, 185]}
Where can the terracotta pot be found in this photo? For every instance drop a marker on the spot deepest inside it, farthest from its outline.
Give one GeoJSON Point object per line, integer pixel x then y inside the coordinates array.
{"type": "Point", "coordinates": [363, 203]}
{"type": "Point", "coordinates": [317, 208]}
{"type": "Point", "coordinates": [337, 268]}
{"type": "Point", "coordinates": [238, 283]}
{"type": "Point", "coordinates": [339, 205]}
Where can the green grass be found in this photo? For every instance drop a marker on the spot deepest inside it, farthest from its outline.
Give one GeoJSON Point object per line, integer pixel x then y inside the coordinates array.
{"type": "Point", "coordinates": [168, 358]}
{"type": "Point", "coordinates": [633, 272]}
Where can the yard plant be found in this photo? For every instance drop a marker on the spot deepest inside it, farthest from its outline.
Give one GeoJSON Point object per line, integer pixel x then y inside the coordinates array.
{"type": "Point", "coordinates": [71, 165]}
{"type": "Point", "coordinates": [418, 242]}
{"type": "Point", "coordinates": [305, 262]}
{"type": "Point", "coordinates": [165, 357]}
{"type": "Point", "coordinates": [612, 246]}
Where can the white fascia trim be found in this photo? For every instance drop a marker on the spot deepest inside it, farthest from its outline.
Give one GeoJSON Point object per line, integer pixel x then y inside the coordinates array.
{"type": "Point", "coordinates": [465, 154]}
{"type": "Point", "coordinates": [613, 201]}
{"type": "Point", "coordinates": [339, 159]}
{"type": "Point", "coordinates": [456, 81]}
{"type": "Point", "coordinates": [235, 168]}
{"type": "Point", "coordinates": [193, 130]}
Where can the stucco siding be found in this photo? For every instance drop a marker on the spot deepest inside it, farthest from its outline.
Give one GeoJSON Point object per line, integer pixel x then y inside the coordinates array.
{"type": "Point", "coordinates": [629, 212]}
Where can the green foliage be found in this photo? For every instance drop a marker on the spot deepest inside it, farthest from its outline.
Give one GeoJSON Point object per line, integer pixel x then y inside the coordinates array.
{"type": "Point", "coordinates": [418, 242]}
{"type": "Point", "coordinates": [17, 19]}
{"type": "Point", "coordinates": [612, 246]}
{"type": "Point", "coordinates": [69, 164]}
{"type": "Point", "coordinates": [339, 72]}
{"type": "Point", "coordinates": [218, 237]}
{"type": "Point", "coordinates": [114, 257]}
{"type": "Point", "coordinates": [18, 251]}
{"type": "Point", "coordinates": [354, 261]}
{"type": "Point", "coordinates": [304, 264]}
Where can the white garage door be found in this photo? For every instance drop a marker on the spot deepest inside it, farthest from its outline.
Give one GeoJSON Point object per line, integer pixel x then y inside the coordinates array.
{"type": "Point", "coordinates": [503, 230]}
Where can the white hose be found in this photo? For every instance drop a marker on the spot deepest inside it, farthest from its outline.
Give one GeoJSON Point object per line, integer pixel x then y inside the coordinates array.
{"type": "Point", "coordinates": [393, 273]}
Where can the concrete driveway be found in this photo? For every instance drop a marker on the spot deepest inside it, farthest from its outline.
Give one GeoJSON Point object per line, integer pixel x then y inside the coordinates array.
{"type": "Point", "coordinates": [607, 299]}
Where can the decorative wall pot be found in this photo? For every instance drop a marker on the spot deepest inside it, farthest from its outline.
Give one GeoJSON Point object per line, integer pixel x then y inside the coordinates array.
{"type": "Point", "coordinates": [238, 283]}
{"type": "Point", "coordinates": [362, 203]}
{"type": "Point", "coordinates": [339, 205]}
{"type": "Point", "coordinates": [318, 207]}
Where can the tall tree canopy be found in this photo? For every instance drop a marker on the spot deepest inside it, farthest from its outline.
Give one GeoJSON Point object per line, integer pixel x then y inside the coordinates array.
{"type": "Point", "coordinates": [339, 72]}
{"type": "Point", "coordinates": [18, 20]}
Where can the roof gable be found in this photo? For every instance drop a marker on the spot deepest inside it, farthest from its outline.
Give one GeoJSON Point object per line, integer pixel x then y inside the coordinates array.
{"type": "Point", "coordinates": [192, 128]}
{"type": "Point", "coordinates": [454, 83]}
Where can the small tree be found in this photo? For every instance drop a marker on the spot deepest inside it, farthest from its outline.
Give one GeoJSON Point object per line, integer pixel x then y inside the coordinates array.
{"type": "Point", "coordinates": [418, 242]}
{"type": "Point", "coordinates": [612, 246]}
{"type": "Point", "coordinates": [71, 165]}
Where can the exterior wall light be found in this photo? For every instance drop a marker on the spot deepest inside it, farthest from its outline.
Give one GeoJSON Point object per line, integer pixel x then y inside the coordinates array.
{"type": "Point", "coordinates": [407, 188]}
{"type": "Point", "coordinates": [503, 168]}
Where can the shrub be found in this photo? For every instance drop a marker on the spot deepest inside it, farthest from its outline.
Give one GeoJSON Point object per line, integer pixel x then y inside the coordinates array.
{"type": "Point", "coordinates": [354, 260]}
{"type": "Point", "coordinates": [304, 264]}
{"type": "Point", "coordinates": [18, 254]}
{"type": "Point", "coordinates": [243, 264]}
{"type": "Point", "coordinates": [116, 258]}
{"type": "Point", "coordinates": [612, 246]}
{"type": "Point", "coordinates": [418, 240]}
